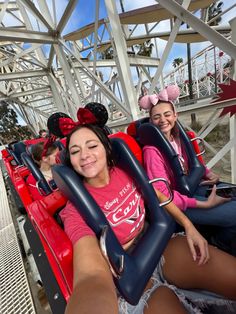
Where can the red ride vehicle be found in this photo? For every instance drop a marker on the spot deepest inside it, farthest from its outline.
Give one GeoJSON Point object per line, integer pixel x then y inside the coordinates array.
{"type": "Point", "coordinates": [50, 246]}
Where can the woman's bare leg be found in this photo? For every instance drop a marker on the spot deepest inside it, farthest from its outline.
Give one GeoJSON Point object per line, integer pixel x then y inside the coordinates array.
{"type": "Point", "coordinates": [217, 275]}
{"type": "Point", "coordinates": [164, 301]}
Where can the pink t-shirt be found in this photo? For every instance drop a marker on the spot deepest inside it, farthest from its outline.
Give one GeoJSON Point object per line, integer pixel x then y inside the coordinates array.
{"type": "Point", "coordinates": [158, 167]}
{"type": "Point", "coordinates": [121, 203]}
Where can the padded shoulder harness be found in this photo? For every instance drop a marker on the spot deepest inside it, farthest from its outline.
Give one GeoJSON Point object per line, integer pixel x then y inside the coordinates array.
{"type": "Point", "coordinates": [149, 134]}
{"type": "Point", "coordinates": [37, 174]}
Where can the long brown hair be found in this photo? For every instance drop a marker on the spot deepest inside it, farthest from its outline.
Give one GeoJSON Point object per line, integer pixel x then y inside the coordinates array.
{"type": "Point", "coordinates": [37, 151]}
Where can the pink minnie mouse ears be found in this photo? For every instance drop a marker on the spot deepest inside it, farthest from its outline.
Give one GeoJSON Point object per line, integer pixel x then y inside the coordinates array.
{"type": "Point", "coordinates": [169, 94]}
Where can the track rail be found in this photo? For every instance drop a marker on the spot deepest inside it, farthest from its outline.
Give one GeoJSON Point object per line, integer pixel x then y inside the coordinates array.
{"type": "Point", "coordinates": [15, 295]}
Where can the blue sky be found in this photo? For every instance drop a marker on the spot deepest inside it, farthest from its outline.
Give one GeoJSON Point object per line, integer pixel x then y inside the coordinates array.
{"type": "Point", "coordinates": [85, 14]}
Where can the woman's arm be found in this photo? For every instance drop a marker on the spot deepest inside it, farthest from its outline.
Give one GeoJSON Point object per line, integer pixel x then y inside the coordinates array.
{"type": "Point", "coordinates": [210, 178]}
{"type": "Point", "coordinates": [174, 211]}
{"type": "Point", "coordinates": [157, 167]}
{"type": "Point", "coordinates": [94, 290]}
{"type": "Point", "coordinates": [197, 244]}
{"type": "Point", "coordinates": [213, 200]}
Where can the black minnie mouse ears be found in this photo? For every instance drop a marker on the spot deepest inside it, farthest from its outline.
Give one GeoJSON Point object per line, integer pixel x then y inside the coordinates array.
{"type": "Point", "coordinates": [53, 123]}
{"type": "Point", "coordinates": [99, 111]}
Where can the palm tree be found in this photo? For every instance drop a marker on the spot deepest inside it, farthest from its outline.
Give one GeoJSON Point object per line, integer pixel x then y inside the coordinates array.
{"type": "Point", "coordinates": [177, 61]}
{"type": "Point", "coordinates": [107, 54]}
{"type": "Point", "coordinates": [145, 49]}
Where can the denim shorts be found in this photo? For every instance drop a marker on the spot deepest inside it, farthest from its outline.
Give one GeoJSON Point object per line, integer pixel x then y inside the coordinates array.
{"type": "Point", "coordinates": [194, 301]}
{"type": "Point", "coordinates": [157, 281]}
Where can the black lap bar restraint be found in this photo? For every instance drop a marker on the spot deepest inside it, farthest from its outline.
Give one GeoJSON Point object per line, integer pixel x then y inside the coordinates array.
{"type": "Point", "coordinates": [132, 270]}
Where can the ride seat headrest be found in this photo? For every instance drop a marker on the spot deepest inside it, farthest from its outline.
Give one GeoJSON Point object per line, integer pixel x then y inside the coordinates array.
{"type": "Point", "coordinates": [133, 127]}
{"type": "Point", "coordinates": [59, 145]}
{"type": "Point", "coordinates": [29, 149]}
{"type": "Point", "coordinates": [131, 143]}
{"type": "Point", "coordinates": [61, 157]}
{"type": "Point", "coordinates": [151, 135]}
{"type": "Point", "coordinates": [18, 149]}
{"type": "Point", "coordinates": [37, 174]}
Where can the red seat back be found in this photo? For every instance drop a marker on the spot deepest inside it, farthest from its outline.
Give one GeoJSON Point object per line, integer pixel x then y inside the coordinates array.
{"type": "Point", "coordinates": [132, 144]}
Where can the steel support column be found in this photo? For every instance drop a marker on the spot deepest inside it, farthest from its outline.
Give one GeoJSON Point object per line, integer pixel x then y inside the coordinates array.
{"type": "Point", "coordinates": [123, 65]}
{"type": "Point", "coordinates": [56, 95]}
{"type": "Point", "coordinates": [70, 80]}
{"type": "Point", "coordinates": [199, 26]}
{"type": "Point", "coordinates": [167, 49]}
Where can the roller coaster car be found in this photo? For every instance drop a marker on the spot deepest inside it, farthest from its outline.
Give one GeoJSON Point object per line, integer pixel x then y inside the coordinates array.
{"type": "Point", "coordinates": [18, 171]}
{"type": "Point", "coordinates": [49, 244]}
{"type": "Point", "coordinates": [51, 248]}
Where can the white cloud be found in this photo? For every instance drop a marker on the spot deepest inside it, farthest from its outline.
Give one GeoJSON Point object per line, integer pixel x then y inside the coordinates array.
{"type": "Point", "coordinates": [132, 5]}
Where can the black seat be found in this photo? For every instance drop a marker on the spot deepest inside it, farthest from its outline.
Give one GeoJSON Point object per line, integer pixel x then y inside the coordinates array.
{"type": "Point", "coordinates": [59, 145]}
{"type": "Point", "coordinates": [29, 149]}
{"type": "Point", "coordinates": [149, 134]}
{"type": "Point", "coordinates": [132, 277]}
{"type": "Point", "coordinates": [15, 160]}
{"type": "Point", "coordinates": [18, 149]}
{"type": "Point", "coordinates": [42, 184]}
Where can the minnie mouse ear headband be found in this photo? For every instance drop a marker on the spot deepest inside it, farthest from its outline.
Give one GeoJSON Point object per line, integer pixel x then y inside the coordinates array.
{"type": "Point", "coordinates": [99, 111]}
{"type": "Point", "coordinates": [53, 123]}
{"type": "Point", "coordinates": [84, 116]}
{"type": "Point", "coordinates": [61, 124]}
{"type": "Point", "coordinates": [168, 94]}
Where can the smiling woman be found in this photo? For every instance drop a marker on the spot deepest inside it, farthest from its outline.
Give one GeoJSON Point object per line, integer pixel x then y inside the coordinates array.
{"type": "Point", "coordinates": [89, 153]}
{"type": "Point", "coordinates": [87, 157]}
{"type": "Point", "coordinates": [45, 157]}
{"type": "Point", "coordinates": [212, 210]}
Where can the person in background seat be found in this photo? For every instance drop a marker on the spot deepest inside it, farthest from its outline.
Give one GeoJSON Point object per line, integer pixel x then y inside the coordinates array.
{"type": "Point", "coordinates": [43, 133]}
{"type": "Point", "coordinates": [212, 210]}
{"type": "Point", "coordinates": [45, 158]}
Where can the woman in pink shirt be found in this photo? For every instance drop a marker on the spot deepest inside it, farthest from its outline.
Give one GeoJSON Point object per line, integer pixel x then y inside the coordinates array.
{"type": "Point", "coordinates": [188, 261]}
{"type": "Point", "coordinates": [214, 210]}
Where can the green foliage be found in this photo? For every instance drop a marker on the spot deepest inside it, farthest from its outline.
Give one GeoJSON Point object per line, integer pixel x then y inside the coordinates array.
{"type": "Point", "coordinates": [196, 125]}
{"type": "Point", "coordinates": [8, 118]}
{"type": "Point", "coordinates": [107, 54]}
{"type": "Point", "coordinates": [219, 135]}
{"type": "Point", "coordinates": [145, 49]}
{"type": "Point", "coordinates": [177, 61]}
{"type": "Point", "coordinates": [10, 130]}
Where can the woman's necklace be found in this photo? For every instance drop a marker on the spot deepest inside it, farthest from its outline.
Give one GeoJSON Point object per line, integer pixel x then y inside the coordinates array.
{"type": "Point", "coordinates": [177, 147]}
